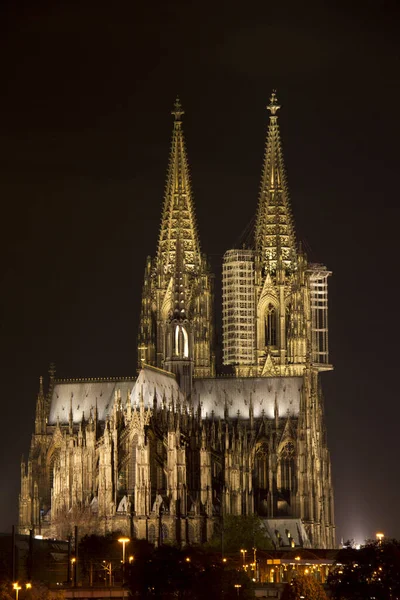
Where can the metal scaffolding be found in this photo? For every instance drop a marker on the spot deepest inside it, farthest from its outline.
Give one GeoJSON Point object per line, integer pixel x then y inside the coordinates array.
{"type": "Point", "coordinates": [319, 313]}
{"type": "Point", "coordinates": [238, 307]}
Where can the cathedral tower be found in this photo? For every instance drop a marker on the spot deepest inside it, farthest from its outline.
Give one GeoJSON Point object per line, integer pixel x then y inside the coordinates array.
{"type": "Point", "coordinates": [176, 324]}
{"type": "Point", "coordinates": [275, 326]}
{"type": "Point", "coordinates": [274, 302]}
{"type": "Point", "coordinates": [169, 454]}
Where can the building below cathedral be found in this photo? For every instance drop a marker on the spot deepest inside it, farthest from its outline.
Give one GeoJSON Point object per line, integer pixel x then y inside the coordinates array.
{"type": "Point", "coordinates": [165, 456]}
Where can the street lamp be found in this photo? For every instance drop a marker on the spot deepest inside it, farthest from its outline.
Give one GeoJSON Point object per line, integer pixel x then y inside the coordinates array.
{"type": "Point", "coordinates": [73, 561]}
{"type": "Point", "coordinates": [123, 541]}
{"type": "Point", "coordinates": [16, 587]}
{"type": "Point", "coordinates": [238, 586]}
{"type": "Point", "coordinates": [244, 555]}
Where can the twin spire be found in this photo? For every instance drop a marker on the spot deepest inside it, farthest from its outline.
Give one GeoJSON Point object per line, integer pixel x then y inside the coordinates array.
{"type": "Point", "coordinates": [178, 217]}
{"type": "Point", "coordinates": [275, 239]}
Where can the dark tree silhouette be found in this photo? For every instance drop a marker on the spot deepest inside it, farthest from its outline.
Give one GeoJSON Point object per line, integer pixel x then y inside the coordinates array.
{"type": "Point", "coordinates": [372, 571]}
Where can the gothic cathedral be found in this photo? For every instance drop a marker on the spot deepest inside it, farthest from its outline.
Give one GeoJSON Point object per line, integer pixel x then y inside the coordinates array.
{"type": "Point", "coordinates": [166, 455]}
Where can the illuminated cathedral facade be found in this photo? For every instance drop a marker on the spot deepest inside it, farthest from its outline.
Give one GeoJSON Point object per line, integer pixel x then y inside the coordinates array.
{"type": "Point", "coordinates": [167, 455]}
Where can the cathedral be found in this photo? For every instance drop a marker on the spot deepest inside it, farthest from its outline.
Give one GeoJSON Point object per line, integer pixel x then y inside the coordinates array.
{"type": "Point", "coordinates": [165, 456]}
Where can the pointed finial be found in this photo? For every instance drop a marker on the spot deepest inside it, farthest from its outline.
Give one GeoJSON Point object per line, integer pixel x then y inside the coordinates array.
{"type": "Point", "coordinates": [178, 111]}
{"type": "Point", "coordinates": [41, 393]}
{"type": "Point", "coordinates": [273, 105]}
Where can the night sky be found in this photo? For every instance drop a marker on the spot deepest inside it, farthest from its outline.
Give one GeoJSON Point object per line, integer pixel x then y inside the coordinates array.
{"type": "Point", "coordinates": [85, 129]}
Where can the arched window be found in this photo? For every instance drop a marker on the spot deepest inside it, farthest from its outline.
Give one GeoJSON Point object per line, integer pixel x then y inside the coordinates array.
{"type": "Point", "coordinates": [271, 326]}
{"type": "Point", "coordinates": [287, 462]}
{"type": "Point", "coordinates": [53, 464]}
{"type": "Point", "coordinates": [181, 342]}
{"type": "Point", "coordinates": [261, 479]}
{"type": "Point", "coordinates": [287, 324]}
{"type": "Point", "coordinates": [132, 466]}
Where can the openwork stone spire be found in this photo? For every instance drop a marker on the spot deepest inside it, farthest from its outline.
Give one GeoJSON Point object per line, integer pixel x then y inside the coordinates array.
{"type": "Point", "coordinates": [178, 217]}
{"type": "Point", "coordinates": [274, 234]}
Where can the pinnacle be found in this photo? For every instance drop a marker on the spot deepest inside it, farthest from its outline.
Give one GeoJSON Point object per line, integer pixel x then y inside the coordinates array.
{"type": "Point", "coordinates": [178, 111]}
{"type": "Point", "coordinates": [273, 105]}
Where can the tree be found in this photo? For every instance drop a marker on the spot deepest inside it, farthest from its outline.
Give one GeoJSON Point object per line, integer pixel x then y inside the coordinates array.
{"type": "Point", "coordinates": [96, 551]}
{"type": "Point", "coordinates": [237, 532]}
{"type": "Point", "coordinates": [38, 591]}
{"type": "Point", "coordinates": [304, 586]}
{"type": "Point", "coordinates": [6, 590]}
{"type": "Point", "coordinates": [371, 571]}
{"type": "Point", "coordinates": [65, 520]}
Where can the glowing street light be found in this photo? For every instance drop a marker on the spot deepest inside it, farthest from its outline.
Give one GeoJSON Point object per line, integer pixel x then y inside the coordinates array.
{"type": "Point", "coordinates": [379, 537]}
{"type": "Point", "coordinates": [16, 587]}
{"type": "Point", "coordinates": [73, 561]}
{"type": "Point", "coordinates": [238, 585]}
{"type": "Point", "coordinates": [244, 555]}
{"type": "Point", "coordinates": [123, 541]}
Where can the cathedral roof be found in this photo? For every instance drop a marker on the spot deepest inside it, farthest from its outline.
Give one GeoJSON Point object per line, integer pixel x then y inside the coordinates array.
{"type": "Point", "coordinates": [236, 394]}
{"type": "Point", "coordinates": [83, 396]}
{"type": "Point", "coordinates": [152, 381]}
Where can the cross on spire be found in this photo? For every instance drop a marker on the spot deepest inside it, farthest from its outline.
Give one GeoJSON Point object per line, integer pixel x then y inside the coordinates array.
{"type": "Point", "coordinates": [273, 105]}
{"type": "Point", "coordinates": [178, 111]}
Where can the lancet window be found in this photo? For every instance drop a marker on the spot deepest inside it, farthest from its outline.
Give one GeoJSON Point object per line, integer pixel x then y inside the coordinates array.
{"type": "Point", "coordinates": [287, 464]}
{"type": "Point", "coordinates": [132, 466]}
{"type": "Point", "coordinates": [271, 326]}
{"type": "Point", "coordinates": [53, 462]}
{"type": "Point", "coordinates": [261, 478]}
{"type": "Point", "coordinates": [181, 342]}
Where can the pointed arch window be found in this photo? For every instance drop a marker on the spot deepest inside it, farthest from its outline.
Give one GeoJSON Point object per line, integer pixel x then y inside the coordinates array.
{"type": "Point", "coordinates": [271, 326]}
{"type": "Point", "coordinates": [181, 342]}
{"type": "Point", "coordinates": [53, 465]}
{"type": "Point", "coordinates": [287, 466]}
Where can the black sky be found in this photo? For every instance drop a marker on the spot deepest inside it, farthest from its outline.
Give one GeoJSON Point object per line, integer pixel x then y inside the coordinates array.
{"type": "Point", "coordinates": [85, 126]}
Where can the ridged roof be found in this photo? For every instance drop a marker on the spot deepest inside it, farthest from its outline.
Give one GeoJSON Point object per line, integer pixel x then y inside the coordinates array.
{"type": "Point", "coordinates": [237, 393]}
